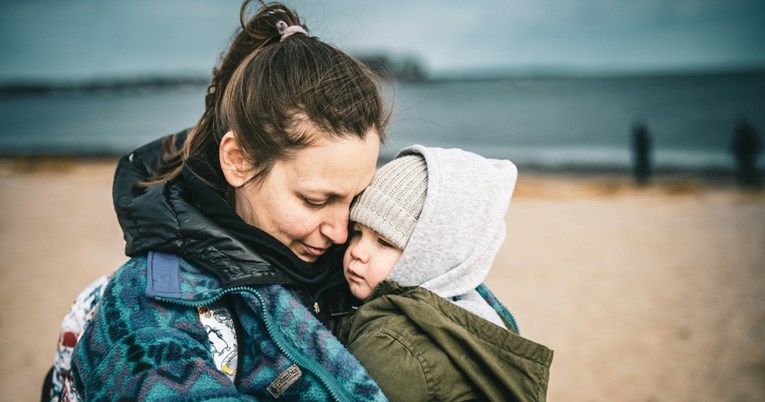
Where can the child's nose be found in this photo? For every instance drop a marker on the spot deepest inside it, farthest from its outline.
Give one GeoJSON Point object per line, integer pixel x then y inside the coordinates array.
{"type": "Point", "coordinates": [359, 251]}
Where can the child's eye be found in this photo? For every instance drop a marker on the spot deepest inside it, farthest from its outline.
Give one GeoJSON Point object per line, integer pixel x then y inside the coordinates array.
{"type": "Point", "coordinates": [355, 233]}
{"type": "Point", "coordinates": [383, 242]}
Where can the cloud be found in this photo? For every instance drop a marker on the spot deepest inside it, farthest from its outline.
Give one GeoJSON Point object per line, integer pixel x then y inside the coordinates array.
{"type": "Point", "coordinates": [46, 38]}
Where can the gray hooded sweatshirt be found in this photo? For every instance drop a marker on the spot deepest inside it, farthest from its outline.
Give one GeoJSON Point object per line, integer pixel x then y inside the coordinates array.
{"type": "Point", "coordinates": [415, 343]}
{"type": "Point", "coordinates": [461, 226]}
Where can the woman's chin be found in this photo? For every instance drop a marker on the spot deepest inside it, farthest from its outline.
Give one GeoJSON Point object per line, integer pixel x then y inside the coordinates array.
{"type": "Point", "coordinates": [308, 259]}
{"type": "Point", "coordinates": [305, 257]}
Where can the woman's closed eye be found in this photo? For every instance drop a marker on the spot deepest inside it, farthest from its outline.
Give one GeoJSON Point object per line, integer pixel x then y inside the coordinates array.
{"type": "Point", "coordinates": [315, 203]}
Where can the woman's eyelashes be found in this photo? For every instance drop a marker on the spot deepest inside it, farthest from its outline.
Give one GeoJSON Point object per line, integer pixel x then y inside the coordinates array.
{"type": "Point", "coordinates": [315, 203]}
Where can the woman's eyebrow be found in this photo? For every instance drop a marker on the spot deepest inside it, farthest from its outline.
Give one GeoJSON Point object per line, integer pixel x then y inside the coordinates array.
{"type": "Point", "coordinates": [323, 192]}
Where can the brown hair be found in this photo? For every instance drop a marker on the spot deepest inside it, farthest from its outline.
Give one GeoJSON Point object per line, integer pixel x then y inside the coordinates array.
{"type": "Point", "coordinates": [267, 89]}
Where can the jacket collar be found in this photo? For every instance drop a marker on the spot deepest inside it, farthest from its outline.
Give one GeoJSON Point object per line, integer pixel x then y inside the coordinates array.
{"type": "Point", "coordinates": [161, 218]}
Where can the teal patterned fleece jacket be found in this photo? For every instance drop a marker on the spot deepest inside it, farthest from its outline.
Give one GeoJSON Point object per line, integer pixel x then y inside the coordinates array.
{"type": "Point", "coordinates": [189, 248]}
{"type": "Point", "coordinates": [146, 342]}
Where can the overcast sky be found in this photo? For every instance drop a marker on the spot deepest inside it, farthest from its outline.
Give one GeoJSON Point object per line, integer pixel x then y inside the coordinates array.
{"type": "Point", "coordinates": [65, 39]}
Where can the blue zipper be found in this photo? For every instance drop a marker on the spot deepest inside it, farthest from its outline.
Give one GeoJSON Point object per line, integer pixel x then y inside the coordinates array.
{"type": "Point", "coordinates": [313, 367]}
{"type": "Point", "coordinates": [204, 302]}
{"type": "Point", "coordinates": [487, 294]}
{"type": "Point", "coordinates": [511, 318]}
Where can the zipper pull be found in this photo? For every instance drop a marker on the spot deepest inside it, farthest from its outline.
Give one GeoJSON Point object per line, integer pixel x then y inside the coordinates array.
{"type": "Point", "coordinates": [316, 307]}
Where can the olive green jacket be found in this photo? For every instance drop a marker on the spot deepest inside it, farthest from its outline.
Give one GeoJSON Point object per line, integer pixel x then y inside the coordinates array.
{"type": "Point", "coordinates": [421, 347]}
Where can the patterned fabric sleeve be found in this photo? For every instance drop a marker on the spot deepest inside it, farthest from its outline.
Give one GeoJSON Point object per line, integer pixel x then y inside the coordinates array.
{"type": "Point", "coordinates": [75, 321]}
{"type": "Point", "coordinates": [216, 320]}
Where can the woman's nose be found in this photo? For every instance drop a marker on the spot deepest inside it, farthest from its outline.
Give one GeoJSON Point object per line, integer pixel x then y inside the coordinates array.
{"type": "Point", "coordinates": [335, 226]}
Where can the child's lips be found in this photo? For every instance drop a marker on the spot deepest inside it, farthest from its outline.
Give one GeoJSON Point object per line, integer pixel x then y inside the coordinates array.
{"type": "Point", "coordinates": [354, 276]}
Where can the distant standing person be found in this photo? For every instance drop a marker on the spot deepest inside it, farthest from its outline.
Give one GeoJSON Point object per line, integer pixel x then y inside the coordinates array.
{"type": "Point", "coordinates": [746, 148]}
{"type": "Point", "coordinates": [641, 153]}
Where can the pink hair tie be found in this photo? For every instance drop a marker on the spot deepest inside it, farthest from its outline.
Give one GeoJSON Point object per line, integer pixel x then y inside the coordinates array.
{"type": "Point", "coordinates": [286, 31]}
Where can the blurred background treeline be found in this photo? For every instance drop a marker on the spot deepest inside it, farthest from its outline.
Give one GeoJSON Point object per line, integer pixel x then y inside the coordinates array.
{"type": "Point", "coordinates": [549, 84]}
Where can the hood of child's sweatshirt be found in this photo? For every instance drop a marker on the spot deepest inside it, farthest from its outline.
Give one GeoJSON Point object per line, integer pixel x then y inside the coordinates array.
{"type": "Point", "coordinates": [462, 223]}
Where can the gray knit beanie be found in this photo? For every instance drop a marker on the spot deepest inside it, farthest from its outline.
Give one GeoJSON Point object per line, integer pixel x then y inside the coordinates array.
{"type": "Point", "coordinates": [392, 202]}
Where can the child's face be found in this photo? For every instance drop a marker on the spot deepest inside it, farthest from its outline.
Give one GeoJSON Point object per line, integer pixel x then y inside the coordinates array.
{"type": "Point", "coordinates": [368, 260]}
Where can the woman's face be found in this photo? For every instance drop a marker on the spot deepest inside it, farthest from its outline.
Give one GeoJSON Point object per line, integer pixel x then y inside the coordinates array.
{"type": "Point", "coordinates": [304, 201]}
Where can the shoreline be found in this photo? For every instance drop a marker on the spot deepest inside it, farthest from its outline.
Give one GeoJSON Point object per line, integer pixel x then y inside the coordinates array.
{"type": "Point", "coordinates": [664, 177]}
{"type": "Point", "coordinates": [153, 82]}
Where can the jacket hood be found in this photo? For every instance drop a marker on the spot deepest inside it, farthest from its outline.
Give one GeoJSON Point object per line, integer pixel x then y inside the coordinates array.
{"type": "Point", "coordinates": [188, 217]}
{"type": "Point", "coordinates": [462, 223]}
{"type": "Point", "coordinates": [161, 217]}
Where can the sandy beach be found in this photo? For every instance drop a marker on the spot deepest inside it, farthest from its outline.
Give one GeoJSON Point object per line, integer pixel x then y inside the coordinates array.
{"type": "Point", "coordinates": [646, 294]}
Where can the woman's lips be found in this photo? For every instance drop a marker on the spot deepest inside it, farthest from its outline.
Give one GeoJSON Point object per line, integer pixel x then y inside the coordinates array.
{"type": "Point", "coordinates": [313, 251]}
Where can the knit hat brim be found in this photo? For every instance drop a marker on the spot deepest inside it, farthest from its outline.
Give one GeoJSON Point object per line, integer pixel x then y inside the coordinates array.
{"type": "Point", "coordinates": [380, 213]}
{"type": "Point", "coordinates": [392, 202]}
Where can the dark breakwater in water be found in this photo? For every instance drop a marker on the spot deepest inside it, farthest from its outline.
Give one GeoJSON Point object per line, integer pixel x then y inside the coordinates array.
{"type": "Point", "coordinates": [577, 123]}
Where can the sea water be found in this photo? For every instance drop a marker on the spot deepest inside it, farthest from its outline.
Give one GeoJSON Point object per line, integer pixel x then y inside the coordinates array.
{"type": "Point", "coordinates": [552, 123]}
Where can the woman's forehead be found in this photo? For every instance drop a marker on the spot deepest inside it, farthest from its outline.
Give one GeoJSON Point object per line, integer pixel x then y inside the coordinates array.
{"type": "Point", "coordinates": [340, 167]}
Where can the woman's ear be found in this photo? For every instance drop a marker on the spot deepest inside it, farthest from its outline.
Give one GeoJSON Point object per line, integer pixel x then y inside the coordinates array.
{"type": "Point", "coordinates": [236, 168]}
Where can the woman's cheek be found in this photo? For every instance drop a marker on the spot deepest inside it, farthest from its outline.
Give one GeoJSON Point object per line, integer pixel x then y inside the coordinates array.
{"type": "Point", "coordinates": [305, 220]}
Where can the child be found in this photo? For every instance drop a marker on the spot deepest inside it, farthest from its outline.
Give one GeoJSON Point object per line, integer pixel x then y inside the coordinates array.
{"type": "Point", "coordinates": [424, 235]}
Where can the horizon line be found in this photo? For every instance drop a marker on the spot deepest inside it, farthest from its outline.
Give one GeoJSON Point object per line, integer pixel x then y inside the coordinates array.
{"type": "Point", "coordinates": [11, 86]}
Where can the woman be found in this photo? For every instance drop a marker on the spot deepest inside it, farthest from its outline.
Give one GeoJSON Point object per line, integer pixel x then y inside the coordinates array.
{"type": "Point", "coordinates": [235, 228]}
